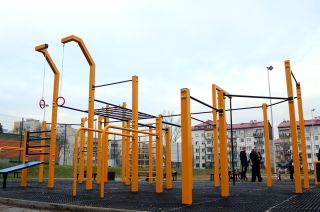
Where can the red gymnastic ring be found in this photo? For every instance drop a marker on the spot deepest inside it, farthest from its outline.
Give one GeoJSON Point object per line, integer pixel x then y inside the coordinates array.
{"type": "Point", "coordinates": [42, 103]}
{"type": "Point", "coordinates": [63, 101]}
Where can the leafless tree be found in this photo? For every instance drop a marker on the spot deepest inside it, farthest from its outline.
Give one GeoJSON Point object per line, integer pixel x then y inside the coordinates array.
{"type": "Point", "coordinates": [175, 131]}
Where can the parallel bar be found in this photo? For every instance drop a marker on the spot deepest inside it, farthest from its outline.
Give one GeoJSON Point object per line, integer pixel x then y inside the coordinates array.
{"type": "Point", "coordinates": [71, 108]}
{"type": "Point", "coordinates": [256, 97]}
{"type": "Point", "coordinates": [39, 139]}
{"type": "Point", "coordinates": [114, 83]}
{"type": "Point", "coordinates": [39, 146]}
{"type": "Point", "coordinates": [43, 131]}
{"type": "Point", "coordinates": [44, 153]}
{"type": "Point", "coordinates": [203, 103]}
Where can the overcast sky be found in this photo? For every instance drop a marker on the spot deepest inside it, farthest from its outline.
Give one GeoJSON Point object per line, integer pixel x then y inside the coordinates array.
{"type": "Point", "coordinates": [169, 44]}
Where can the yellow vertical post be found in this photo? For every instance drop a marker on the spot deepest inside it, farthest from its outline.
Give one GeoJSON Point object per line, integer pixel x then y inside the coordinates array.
{"type": "Point", "coordinates": [215, 138]}
{"type": "Point", "coordinates": [99, 149]}
{"type": "Point", "coordinates": [106, 149]}
{"type": "Point", "coordinates": [168, 159]}
{"type": "Point", "coordinates": [293, 129]}
{"type": "Point", "coordinates": [134, 146]}
{"type": "Point", "coordinates": [159, 155]}
{"type": "Point", "coordinates": [150, 157]}
{"type": "Point", "coordinates": [104, 162]}
{"type": "Point", "coordinates": [53, 134]}
{"type": "Point", "coordinates": [123, 146]}
{"type": "Point", "coordinates": [267, 145]}
{"type": "Point", "coordinates": [81, 162]}
{"type": "Point", "coordinates": [42, 143]}
{"type": "Point", "coordinates": [223, 146]}
{"type": "Point", "coordinates": [128, 141]}
{"type": "Point", "coordinates": [302, 139]}
{"type": "Point", "coordinates": [90, 104]}
{"type": "Point", "coordinates": [24, 172]}
{"type": "Point", "coordinates": [186, 146]}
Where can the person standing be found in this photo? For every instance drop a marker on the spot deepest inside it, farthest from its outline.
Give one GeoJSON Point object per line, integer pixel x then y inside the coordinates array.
{"type": "Point", "coordinates": [244, 164]}
{"type": "Point", "coordinates": [255, 159]}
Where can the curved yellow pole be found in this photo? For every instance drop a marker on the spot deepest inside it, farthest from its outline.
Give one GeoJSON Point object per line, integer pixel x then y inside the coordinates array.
{"type": "Point", "coordinates": [43, 49]}
{"type": "Point", "coordinates": [90, 104]}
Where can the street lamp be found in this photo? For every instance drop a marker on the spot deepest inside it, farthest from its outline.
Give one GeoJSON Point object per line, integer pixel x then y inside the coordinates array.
{"type": "Point", "coordinates": [270, 68]}
{"type": "Point", "coordinates": [311, 136]}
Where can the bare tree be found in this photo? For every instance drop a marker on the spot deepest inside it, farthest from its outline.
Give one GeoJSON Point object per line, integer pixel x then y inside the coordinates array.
{"type": "Point", "coordinates": [175, 131]}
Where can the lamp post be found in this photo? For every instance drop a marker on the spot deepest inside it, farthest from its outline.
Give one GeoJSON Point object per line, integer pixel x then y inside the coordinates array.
{"type": "Point", "coordinates": [311, 137]}
{"type": "Point", "coordinates": [270, 68]}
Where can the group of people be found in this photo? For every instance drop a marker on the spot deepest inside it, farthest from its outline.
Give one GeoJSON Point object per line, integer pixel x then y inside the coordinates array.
{"type": "Point", "coordinates": [255, 160]}
{"type": "Point", "coordinates": [284, 166]}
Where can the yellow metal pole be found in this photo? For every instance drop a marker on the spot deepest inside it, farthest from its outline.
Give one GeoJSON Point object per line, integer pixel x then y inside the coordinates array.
{"type": "Point", "coordinates": [90, 104]}
{"type": "Point", "coordinates": [128, 178]}
{"type": "Point", "coordinates": [100, 119]}
{"type": "Point", "coordinates": [24, 172]}
{"type": "Point", "coordinates": [42, 143]}
{"type": "Point", "coordinates": [123, 147]}
{"type": "Point", "coordinates": [293, 129]}
{"type": "Point", "coordinates": [43, 49]}
{"type": "Point", "coordinates": [159, 155]}
{"type": "Point", "coordinates": [186, 143]}
{"type": "Point", "coordinates": [81, 162]}
{"type": "Point", "coordinates": [106, 149]}
{"type": "Point", "coordinates": [150, 157]}
{"type": "Point", "coordinates": [223, 146]}
{"type": "Point", "coordinates": [168, 159]}
{"type": "Point", "coordinates": [215, 138]}
{"type": "Point", "coordinates": [104, 177]}
{"type": "Point", "coordinates": [267, 145]}
{"type": "Point", "coordinates": [302, 139]}
{"type": "Point", "coordinates": [134, 146]}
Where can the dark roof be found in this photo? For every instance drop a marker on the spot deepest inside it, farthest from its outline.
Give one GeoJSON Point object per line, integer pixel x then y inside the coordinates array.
{"type": "Point", "coordinates": [311, 122]}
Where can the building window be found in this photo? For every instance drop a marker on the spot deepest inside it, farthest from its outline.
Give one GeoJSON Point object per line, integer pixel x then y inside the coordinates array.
{"type": "Point", "coordinates": [202, 135]}
{"type": "Point", "coordinates": [203, 165]}
{"type": "Point", "coordinates": [316, 138]}
{"type": "Point", "coordinates": [308, 138]}
{"type": "Point", "coordinates": [242, 140]}
{"type": "Point", "coordinates": [309, 156]}
{"type": "Point", "coordinates": [248, 139]}
{"type": "Point", "coordinates": [197, 157]}
{"type": "Point", "coordinates": [308, 147]}
{"type": "Point", "coordinates": [202, 157]}
{"type": "Point", "coordinates": [197, 150]}
{"type": "Point", "coordinates": [197, 165]}
{"type": "Point", "coordinates": [203, 150]}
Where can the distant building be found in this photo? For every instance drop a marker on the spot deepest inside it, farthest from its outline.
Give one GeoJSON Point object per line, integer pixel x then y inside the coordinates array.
{"type": "Point", "coordinates": [312, 132]}
{"type": "Point", "coordinates": [247, 135]}
{"type": "Point", "coordinates": [28, 124]}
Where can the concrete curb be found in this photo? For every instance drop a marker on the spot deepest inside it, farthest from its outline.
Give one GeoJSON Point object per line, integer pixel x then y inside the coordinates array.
{"type": "Point", "coordinates": [54, 206]}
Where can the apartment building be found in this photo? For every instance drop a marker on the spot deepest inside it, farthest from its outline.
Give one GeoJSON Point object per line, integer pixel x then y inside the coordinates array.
{"type": "Point", "coordinates": [312, 132]}
{"type": "Point", "coordinates": [247, 135]}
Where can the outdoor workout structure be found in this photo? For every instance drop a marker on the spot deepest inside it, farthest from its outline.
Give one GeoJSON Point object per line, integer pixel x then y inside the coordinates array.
{"type": "Point", "coordinates": [218, 94]}
{"type": "Point", "coordinates": [153, 133]}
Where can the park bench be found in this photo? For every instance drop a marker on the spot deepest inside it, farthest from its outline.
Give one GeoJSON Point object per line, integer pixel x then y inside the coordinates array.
{"type": "Point", "coordinates": [8, 170]}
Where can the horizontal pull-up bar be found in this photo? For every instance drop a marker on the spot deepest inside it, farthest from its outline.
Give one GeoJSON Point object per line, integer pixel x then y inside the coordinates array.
{"type": "Point", "coordinates": [172, 124]}
{"type": "Point", "coordinates": [244, 108]}
{"type": "Point", "coordinates": [75, 109]}
{"type": "Point", "coordinates": [114, 83]}
{"type": "Point", "coordinates": [256, 97]}
{"type": "Point", "coordinates": [203, 103]}
{"type": "Point", "coordinates": [196, 113]}
{"type": "Point", "coordinates": [201, 121]}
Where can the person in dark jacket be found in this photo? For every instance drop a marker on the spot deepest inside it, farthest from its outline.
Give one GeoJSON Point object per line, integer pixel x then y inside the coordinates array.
{"type": "Point", "coordinates": [244, 164]}
{"type": "Point", "coordinates": [318, 155]}
{"type": "Point", "coordinates": [255, 159]}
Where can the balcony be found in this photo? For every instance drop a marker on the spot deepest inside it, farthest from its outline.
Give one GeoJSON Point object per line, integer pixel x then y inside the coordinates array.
{"type": "Point", "coordinates": [258, 134]}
